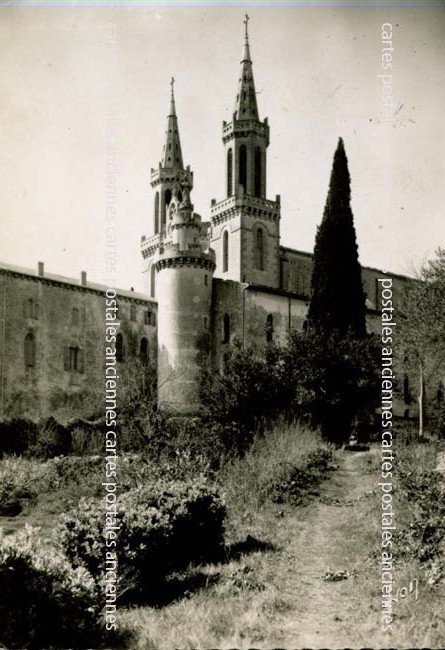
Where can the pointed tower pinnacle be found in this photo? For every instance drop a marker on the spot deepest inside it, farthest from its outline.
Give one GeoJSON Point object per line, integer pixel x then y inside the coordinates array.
{"type": "Point", "coordinates": [172, 154]}
{"type": "Point", "coordinates": [245, 105]}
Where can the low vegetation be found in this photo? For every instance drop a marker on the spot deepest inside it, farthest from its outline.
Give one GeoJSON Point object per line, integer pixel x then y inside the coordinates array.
{"type": "Point", "coordinates": [163, 527]}
{"type": "Point", "coordinates": [44, 601]}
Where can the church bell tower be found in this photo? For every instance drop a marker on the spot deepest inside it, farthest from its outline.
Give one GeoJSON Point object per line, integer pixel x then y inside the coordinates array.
{"type": "Point", "coordinates": [245, 224]}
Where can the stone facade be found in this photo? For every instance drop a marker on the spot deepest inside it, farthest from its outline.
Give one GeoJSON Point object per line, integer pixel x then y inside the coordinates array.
{"type": "Point", "coordinates": [52, 342]}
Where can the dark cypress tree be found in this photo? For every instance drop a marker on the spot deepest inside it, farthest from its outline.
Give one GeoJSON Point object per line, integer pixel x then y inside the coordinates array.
{"type": "Point", "coordinates": [338, 300]}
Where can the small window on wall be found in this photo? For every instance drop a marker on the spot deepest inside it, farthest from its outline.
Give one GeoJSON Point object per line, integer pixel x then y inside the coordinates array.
{"type": "Point", "coordinates": [31, 309]}
{"type": "Point", "coordinates": [269, 328]}
{"type": "Point", "coordinates": [406, 390]}
{"type": "Point", "coordinates": [149, 317]}
{"type": "Point", "coordinates": [74, 359]}
{"type": "Point", "coordinates": [152, 281]}
{"type": "Point", "coordinates": [30, 350]}
{"type": "Point", "coordinates": [378, 289]}
{"type": "Point", "coordinates": [226, 329]}
{"type": "Point", "coordinates": [143, 350]}
{"type": "Point", "coordinates": [156, 213]}
{"type": "Point", "coordinates": [257, 172]}
{"type": "Point", "coordinates": [133, 313]}
{"type": "Point", "coordinates": [75, 316]}
{"type": "Point", "coordinates": [242, 173]}
{"type": "Point", "coordinates": [230, 172]}
{"type": "Point", "coordinates": [120, 348]}
{"type": "Point", "coordinates": [259, 249]}
{"type": "Point", "coordinates": [225, 251]}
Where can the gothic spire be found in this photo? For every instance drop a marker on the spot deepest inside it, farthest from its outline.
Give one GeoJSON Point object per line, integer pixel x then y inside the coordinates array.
{"type": "Point", "coordinates": [172, 154]}
{"type": "Point", "coordinates": [245, 105]}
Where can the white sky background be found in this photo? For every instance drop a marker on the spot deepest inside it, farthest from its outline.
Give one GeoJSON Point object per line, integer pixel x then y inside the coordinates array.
{"type": "Point", "coordinates": [316, 76]}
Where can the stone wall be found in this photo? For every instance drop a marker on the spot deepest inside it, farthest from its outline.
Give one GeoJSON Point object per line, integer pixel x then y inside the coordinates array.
{"type": "Point", "coordinates": [52, 343]}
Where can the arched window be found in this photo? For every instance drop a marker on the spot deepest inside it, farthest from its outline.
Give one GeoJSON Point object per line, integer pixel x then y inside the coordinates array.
{"type": "Point", "coordinates": [226, 251]}
{"type": "Point", "coordinates": [120, 351]}
{"type": "Point", "coordinates": [226, 329]}
{"type": "Point", "coordinates": [75, 316]}
{"type": "Point", "coordinates": [259, 249]}
{"type": "Point", "coordinates": [166, 203]}
{"type": "Point", "coordinates": [152, 281]}
{"type": "Point", "coordinates": [242, 178]}
{"type": "Point", "coordinates": [230, 172]}
{"type": "Point", "coordinates": [73, 359]}
{"type": "Point", "coordinates": [257, 172]}
{"type": "Point", "coordinates": [269, 328]}
{"type": "Point", "coordinates": [156, 213]}
{"type": "Point", "coordinates": [143, 349]}
{"type": "Point", "coordinates": [30, 350]}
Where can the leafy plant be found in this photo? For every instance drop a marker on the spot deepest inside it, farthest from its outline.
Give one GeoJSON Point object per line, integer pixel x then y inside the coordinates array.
{"type": "Point", "coordinates": [44, 601]}
{"type": "Point", "coordinates": [162, 528]}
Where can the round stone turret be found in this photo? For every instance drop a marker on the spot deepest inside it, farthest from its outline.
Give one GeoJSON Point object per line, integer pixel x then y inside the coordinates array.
{"type": "Point", "coordinates": [184, 270]}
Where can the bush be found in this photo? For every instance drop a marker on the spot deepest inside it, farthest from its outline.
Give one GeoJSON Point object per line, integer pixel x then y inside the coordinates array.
{"type": "Point", "coordinates": [336, 383]}
{"type": "Point", "coordinates": [329, 383]}
{"type": "Point", "coordinates": [17, 435]}
{"type": "Point", "coordinates": [253, 386]}
{"type": "Point", "coordinates": [43, 600]}
{"type": "Point", "coordinates": [19, 479]}
{"type": "Point", "coordinates": [53, 439]}
{"type": "Point", "coordinates": [293, 481]}
{"type": "Point", "coordinates": [424, 539]}
{"type": "Point", "coordinates": [162, 528]}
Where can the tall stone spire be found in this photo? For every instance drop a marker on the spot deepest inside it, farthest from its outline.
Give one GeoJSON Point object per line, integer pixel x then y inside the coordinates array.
{"type": "Point", "coordinates": [172, 154]}
{"type": "Point", "coordinates": [246, 105]}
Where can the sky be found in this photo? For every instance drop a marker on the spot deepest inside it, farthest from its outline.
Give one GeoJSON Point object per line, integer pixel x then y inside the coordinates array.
{"type": "Point", "coordinates": [82, 87]}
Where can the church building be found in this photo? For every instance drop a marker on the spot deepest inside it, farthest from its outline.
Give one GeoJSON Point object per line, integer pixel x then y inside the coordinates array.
{"type": "Point", "coordinates": [209, 284]}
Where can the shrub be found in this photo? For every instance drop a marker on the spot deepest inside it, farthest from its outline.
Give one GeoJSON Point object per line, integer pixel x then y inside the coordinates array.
{"type": "Point", "coordinates": [425, 536]}
{"type": "Point", "coordinates": [330, 383]}
{"type": "Point", "coordinates": [252, 386]}
{"type": "Point", "coordinates": [280, 466]}
{"type": "Point", "coordinates": [19, 479]}
{"type": "Point", "coordinates": [43, 600]}
{"type": "Point", "coordinates": [162, 528]}
{"type": "Point", "coordinates": [53, 439]}
{"type": "Point", "coordinates": [336, 383]}
{"type": "Point", "coordinates": [17, 435]}
{"type": "Point", "coordinates": [293, 481]}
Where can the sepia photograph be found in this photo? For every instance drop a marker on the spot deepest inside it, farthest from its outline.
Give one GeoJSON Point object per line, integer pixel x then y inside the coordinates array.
{"type": "Point", "coordinates": [222, 324]}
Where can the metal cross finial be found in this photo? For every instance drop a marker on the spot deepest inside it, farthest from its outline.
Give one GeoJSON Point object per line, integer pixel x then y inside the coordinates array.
{"type": "Point", "coordinates": [246, 20]}
{"type": "Point", "coordinates": [172, 81]}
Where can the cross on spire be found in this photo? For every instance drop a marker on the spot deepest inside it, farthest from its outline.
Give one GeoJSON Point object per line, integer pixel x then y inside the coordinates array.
{"type": "Point", "coordinates": [245, 104]}
{"type": "Point", "coordinates": [172, 149]}
{"type": "Point", "coordinates": [172, 97]}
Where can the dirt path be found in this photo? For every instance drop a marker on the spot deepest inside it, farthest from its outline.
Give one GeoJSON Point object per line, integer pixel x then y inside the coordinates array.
{"type": "Point", "coordinates": [283, 601]}
{"type": "Point", "coordinates": [327, 538]}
